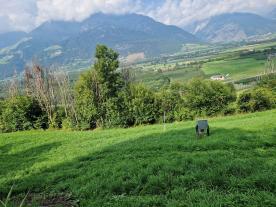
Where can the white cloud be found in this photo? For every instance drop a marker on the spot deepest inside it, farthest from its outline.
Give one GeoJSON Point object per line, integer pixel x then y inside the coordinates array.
{"type": "Point", "coordinates": [17, 15]}
{"type": "Point", "coordinates": [80, 9]}
{"type": "Point", "coordinates": [26, 14]}
{"type": "Point", "coordinates": [183, 12]}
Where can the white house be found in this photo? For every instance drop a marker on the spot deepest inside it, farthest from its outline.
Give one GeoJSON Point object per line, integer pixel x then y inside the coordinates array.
{"type": "Point", "coordinates": [218, 77]}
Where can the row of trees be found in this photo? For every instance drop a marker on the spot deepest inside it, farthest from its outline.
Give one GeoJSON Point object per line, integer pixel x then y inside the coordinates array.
{"type": "Point", "coordinates": [106, 97]}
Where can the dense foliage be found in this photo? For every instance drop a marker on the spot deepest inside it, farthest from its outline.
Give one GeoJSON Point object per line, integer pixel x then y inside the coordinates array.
{"type": "Point", "coordinates": [258, 99]}
{"type": "Point", "coordinates": [105, 96]}
{"type": "Point", "coordinates": [21, 113]}
{"type": "Point", "coordinates": [209, 97]}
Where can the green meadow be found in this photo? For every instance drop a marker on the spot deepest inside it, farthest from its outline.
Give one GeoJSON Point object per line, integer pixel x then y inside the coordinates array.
{"type": "Point", "coordinates": [239, 61]}
{"type": "Point", "coordinates": [237, 68]}
{"type": "Point", "coordinates": [145, 166]}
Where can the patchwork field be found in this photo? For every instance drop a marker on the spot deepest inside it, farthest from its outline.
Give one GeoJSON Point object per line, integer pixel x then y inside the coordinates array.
{"type": "Point", "coordinates": [237, 68]}
{"type": "Point", "coordinates": [145, 166]}
{"type": "Point", "coordinates": [239, 62]}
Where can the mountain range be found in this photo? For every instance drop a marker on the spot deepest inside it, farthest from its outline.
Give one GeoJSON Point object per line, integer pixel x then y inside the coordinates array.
{"type": "Point", "coordinates": [233, 27]}
{"type": "Point", "coordinates": [71, 45]}
{"type": "Point", "coordinates": [272, 14]}
{"type": "Point", "coordinates": [9, 38]}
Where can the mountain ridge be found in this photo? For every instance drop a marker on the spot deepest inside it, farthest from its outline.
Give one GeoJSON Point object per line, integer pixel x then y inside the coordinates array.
{"type": "Point", "coordinates": [235, 27]}
{"type": "Point", "coordinates": [73, 43]}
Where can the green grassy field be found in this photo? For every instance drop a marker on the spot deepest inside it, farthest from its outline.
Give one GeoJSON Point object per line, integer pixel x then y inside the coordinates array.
{"type": "Point", "coordinates": [239, 61]}
{"type": "Point", "coordinates": [145, 166]}
{"type": "Point", "coordinates": [237, 68]}
{"type": "Point", "coordinates": [156, 79]}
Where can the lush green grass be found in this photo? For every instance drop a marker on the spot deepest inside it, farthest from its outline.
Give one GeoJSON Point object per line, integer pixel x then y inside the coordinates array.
{"type": "Point", "coordinates": [154, 78]}
{"type": "Point", "coordinates": [237, 68]}
{"type": "Point", "coordinates": [148, 166]}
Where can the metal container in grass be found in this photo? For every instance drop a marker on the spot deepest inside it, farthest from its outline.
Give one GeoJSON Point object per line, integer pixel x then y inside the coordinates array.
{"type": "Point", "coordinates": [202, 127]}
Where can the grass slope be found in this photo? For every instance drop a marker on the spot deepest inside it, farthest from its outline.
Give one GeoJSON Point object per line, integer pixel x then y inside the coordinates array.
{"type": "Point", "coordinates": [147, 166]}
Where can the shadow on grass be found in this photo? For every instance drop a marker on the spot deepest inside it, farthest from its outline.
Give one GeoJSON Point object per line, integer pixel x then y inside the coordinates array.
{"type": "Point", "coordinates": [12, 163]}
{"type": "Point", "coordinates": [162, 169]}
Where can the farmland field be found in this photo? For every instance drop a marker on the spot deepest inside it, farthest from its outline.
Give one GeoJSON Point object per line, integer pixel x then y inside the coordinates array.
{"type": "Point", "coordinates": [237, 68]}
{"type": "Point", "coordinates": [153, 78]}
{"type": "Point", "coordinates": [146, 165]}
{"type": "Point", "coordinates": [240, 62]}
{"type": "Point", "coordinates": [213, 59]}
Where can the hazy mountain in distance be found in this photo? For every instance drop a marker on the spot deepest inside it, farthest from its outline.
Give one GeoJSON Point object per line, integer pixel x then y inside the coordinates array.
{"type": "Point", "coordinates": [272, 14]}
{"type": "Point", "coordinates": [73, 43]}
{"type": "Point", "coordinates": [10, 38]}
{"type": "Point", "coordinates": [127, 34]}
{"type": "Point", "coordinates": [234, 27]}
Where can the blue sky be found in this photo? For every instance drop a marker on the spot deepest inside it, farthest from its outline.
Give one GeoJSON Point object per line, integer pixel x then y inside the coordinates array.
{"type": "Point", "coordinates": [28, 14]}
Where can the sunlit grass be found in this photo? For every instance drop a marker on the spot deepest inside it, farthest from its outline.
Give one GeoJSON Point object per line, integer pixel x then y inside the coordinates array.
{"type": "Point", "coordinates": [147, 165]}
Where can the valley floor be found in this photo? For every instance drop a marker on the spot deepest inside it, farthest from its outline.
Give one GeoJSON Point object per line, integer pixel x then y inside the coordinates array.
{"type": "Point", "coordinates": [145, 166]}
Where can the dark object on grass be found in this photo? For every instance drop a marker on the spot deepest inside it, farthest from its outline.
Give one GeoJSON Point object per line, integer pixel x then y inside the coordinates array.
{"type": "Point", "coordinates": [202, 127]}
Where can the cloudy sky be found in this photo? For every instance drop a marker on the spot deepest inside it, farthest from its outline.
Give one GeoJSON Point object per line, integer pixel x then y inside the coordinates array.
{"type": "Point", "coordinates": [28, 14]}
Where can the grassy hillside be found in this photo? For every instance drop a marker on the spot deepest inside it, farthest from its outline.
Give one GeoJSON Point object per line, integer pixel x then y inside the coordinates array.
{"type": "Point", "coordinates": [146, 166]}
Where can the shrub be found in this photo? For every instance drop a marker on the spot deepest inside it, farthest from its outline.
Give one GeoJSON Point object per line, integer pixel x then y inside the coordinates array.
{"type": "Point", "coordinates": [41, 122]}
{"type": "Point", "coordinates": [86, 103]}
{"type": "Point", "coordinates": [230, 110]}
{"type": "Point", "coordinates": [112, 113]}
{"type": "Point", "coordinates": [208, 97]}
{"type": "Point", "coordinates": [67, 124]}
{"type": "Point", "coordinates": [269, 82]}
{"type": "Point", "coordinates": [244, 102]}
{"type": "Point", "coordinates": [58, 117]}
{"type": "Point", "coordinates": [119, 111]}
{"type": "Point", "coordinates": [143, 105]}
{"type": "Point", "coordinates": [262, 99]}
{"type": "Point", "coordinates": [169, 101]}
{"type": "Point", "coordinates": [21, 113]}
{"type": "Point", "coordinates": [184, 114]}
{"type": "Point", "coordinates": [258, 99]}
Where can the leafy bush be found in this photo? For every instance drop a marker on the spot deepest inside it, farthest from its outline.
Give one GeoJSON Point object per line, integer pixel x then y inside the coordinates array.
{"type": "Point", "coordinates": [143, 105]}
{"type": "Point", "coordinates": [269, 82]}
{"type": "Point", "coordinates": [58, 117]}
{"type": "Point", "coordinates": [258, 99]}
{"type": "Point", "coordinates": [244, 102]}
{"type": "Point", "coordinates": [208, 97]}
{"type": "Point", "coordinates": [170, 101]}
{"type": "Point", "coordinates": [112, 113]}
{"type": "Point", "coordinates": [21, 113]}
{"type": "Point", "coordinates": [119, 110]}
{"type": "Point", "coordinates": [86, 103]}
{"type": "Point", "coordinates": [184, 114]}
{"type": "Point", "coordinates": [230, 110]}
{"type": "Point", "coordinates": [262, 99]}
{"type": "Point", "coordinates": [67, 124]}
